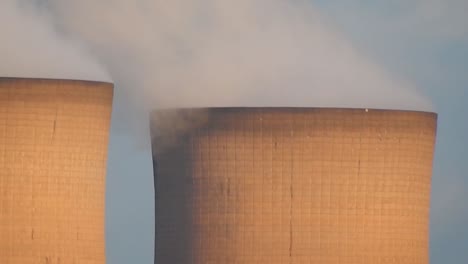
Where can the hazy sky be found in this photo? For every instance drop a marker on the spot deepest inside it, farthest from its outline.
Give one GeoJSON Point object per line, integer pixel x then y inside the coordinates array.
{"type": "Point", "coordinates": [410, 54]}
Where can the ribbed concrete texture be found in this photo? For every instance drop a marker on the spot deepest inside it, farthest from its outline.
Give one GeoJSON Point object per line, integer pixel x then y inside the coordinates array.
{"type": "Point", "coordinates": [53, 151]}
{"type": "Point", "coordinates": [294, 185]}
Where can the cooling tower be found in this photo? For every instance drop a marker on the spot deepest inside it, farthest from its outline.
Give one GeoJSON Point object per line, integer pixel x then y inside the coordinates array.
{"type": "Point", "coordinates": [292, 185]}
{"type": "Point", "coordinates": [53, 151]}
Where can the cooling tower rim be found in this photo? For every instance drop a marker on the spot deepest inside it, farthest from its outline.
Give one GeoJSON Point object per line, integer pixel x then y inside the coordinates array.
{"type": "Point", "coordinates": [34, 79]}
{"type": "Point", "coordinates": [290, 108]}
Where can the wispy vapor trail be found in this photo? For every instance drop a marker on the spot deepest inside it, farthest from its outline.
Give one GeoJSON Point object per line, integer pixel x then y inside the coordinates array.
{"type": "Point", "coordinates": [165, 54]}
{"type": "Point", "coordinates": [30, 47]}
{"type": "Point", "coordinates": [229, 53]}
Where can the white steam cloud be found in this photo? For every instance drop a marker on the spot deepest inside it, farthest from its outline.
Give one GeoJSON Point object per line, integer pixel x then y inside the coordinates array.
{"type": "Point", "coordinates": [30, 47]}
{"type": "Point", "coordinates": [204, 53]}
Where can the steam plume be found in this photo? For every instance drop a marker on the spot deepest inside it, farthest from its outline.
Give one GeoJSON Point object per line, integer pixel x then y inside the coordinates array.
{"type": "Point", "coordinates": [31, 47]}
{"type": "Point", "coordinates": [229, 53]}
{"type": "Point", "coordinates": [167, 54]}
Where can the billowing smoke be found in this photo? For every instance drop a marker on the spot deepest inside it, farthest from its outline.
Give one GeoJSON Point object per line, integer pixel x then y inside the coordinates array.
{"type": "Point", "coordinates": [165, 54]}
{"type": "Point", "coordinates": [31, 47]}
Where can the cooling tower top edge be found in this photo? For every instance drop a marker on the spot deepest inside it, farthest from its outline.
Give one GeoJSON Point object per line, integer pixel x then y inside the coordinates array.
{"type": "Point", "coordinates": [33, 79]}
{"type": "Point", "coordinates": [287, 108]}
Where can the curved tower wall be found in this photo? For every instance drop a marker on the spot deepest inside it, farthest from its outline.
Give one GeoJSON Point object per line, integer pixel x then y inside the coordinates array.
{"type": "Point", "coordinates": [295, 185]}
{"type": "Point", "coordinates": [53, 151]}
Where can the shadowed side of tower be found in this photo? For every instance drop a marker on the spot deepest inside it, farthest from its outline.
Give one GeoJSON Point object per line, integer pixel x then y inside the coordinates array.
{"type": "Point", "coordinates": [53, 152]}
{"type": "Point", "coordinates": [295, 185]}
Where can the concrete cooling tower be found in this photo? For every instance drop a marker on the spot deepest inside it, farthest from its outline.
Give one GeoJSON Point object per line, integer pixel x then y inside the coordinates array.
{"type": "Point", "coordinates": [292, 185]}
{"type": "Point", "coordinates": [53, 150]}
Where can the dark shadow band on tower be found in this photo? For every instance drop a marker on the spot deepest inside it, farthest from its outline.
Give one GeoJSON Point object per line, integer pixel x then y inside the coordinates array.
{"type": "Point", "coordinates": [292, 185]}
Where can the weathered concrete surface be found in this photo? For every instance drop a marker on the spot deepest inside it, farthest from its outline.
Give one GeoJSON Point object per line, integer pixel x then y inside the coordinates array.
{"type": "Point", "coordinates": [295, 185]}
{"type": "Point", "coordinates": [53, 151]}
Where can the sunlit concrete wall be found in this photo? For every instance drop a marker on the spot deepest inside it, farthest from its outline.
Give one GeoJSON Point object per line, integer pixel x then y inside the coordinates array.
{"type": "Point", "coordinates": [294, 185]}
{"type": "Point", "coordinates": [53, 150]}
